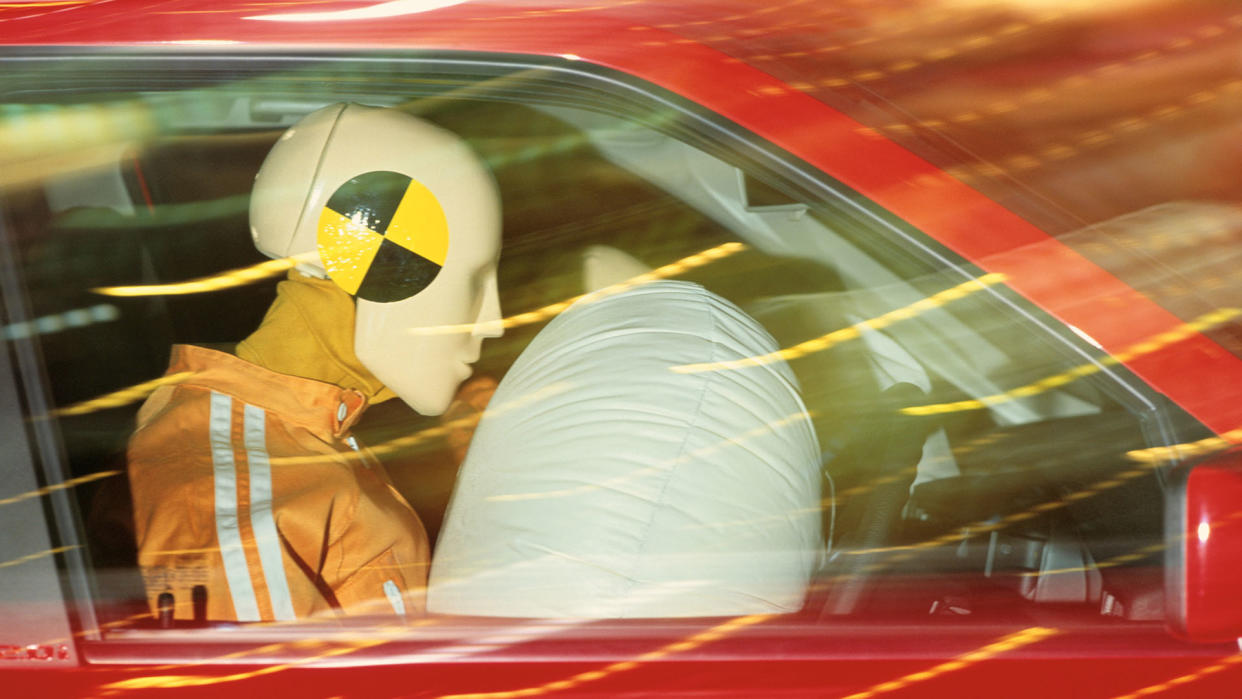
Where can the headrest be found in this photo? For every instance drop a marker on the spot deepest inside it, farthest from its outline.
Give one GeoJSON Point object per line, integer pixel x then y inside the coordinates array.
{"type": "Point", "coordinates": [602, 483]}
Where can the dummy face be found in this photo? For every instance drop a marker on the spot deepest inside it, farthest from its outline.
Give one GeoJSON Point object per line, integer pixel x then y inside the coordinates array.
{"type": "Point", "coordinates": [423, 347]}
{"type": "Point", "coordinates": [404, 217]}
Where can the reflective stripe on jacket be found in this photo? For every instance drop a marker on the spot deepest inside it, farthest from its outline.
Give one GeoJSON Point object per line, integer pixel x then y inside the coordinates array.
{"type": "Point", "coordinates": [247, 483]}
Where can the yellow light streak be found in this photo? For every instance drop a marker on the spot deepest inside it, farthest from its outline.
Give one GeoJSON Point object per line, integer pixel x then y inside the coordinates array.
{"type": "Point", "coordinates": [182, 681]}
{"type": "Point", "coordinates": [922, 19]}
{"type": "Point", "coordinates": [539, 315]}
{"type": "Point", "coordinates": [26, 5]}
{"type": "Point", "coordinates": [613, 483]}
{"type": "Point", "coordinates": [1156, 455]}
{"type": "Point", "coordinates": [852, 332]}
{"type": "Point", "coordinates": [714, 633]}
{"type": "Point", "coordinates": [983, 527]}
{"type": "Point", "coordinates": [72, 482]}
{"type": "Point", "coordinates": [36, 556]}
{"type": "Point", "coordinates": [1122, 559]}
{"type": "Point", "coordinates": [869, 486]}
{"type": "Point", "coordinates": [972, 43]}
{"type": "Point", "coordinates": [124, 396]}
{"type": "Point", "coordinates": [1218, 666]}
{"type": "Point", "coordinates": [1138, 349]}
{"type": "Point", "coordinates": [216, 282]}
{"type": "Point", "coordinates": [270, 268]}
{"type": "Point", "coordinates": [1005, 644]}
{"type": "Point", "coordinates": [824, 503]}
{"type": "Point", "coordinates": [386, 631]}
{"type": "Point", "coordinates": [1077, 81]}
{"type": "Point", "coordinates": [393, 446]}
{"type": "Point", "coordinates": [907, 551]}
{"type": "Point", "coordinates": [1097, 138]}
{"type": "Point", "coordinates": [968, 44]}
{"type": "Point", "coordinates": [1139, 553]}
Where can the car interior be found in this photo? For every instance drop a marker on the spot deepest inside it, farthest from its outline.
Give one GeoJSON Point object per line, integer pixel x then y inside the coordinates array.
{"type": "Point", "coordinates": [940, 512]}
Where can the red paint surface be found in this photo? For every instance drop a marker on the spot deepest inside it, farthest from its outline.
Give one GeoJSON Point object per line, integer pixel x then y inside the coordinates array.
{"type": "Point", "coordinates": [1212, 567]}
{"type": "Point", "coordinates": [1197, 373]}
{"type": "Point", "coordinates": [1064, 665]}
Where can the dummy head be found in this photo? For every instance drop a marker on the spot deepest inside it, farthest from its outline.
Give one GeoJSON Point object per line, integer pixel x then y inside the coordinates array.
{"type": "Point", "coordinates": [404, 217]}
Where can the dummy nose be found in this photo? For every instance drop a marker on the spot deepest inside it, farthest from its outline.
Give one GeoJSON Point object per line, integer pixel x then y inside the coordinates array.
{"type": "Point", "coordinates": [489, 322]}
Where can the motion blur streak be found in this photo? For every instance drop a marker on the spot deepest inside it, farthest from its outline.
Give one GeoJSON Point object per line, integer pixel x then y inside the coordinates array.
{"type": "Point", "coordinates": [852, 332]}
{"type": "Point", "coordinates": [36, 556]}
{"type": "Point", "coordinates": [93, 631]}
{"type": "Point", "coordinates": [1096, 138]}
{"type": "Point", "coordinates": [1137, 554]}
{"type": "Point", "coordinates": [182, 681]}
{"type": "Point", "coordinates": [59, 486]}
{"type": "Point", "coordinates": [1202, 672]}
{"type": "Point", "coordinates": [216, 282]}
{"type": "Point", "coordinates": [539, 315]}
{"type": "Point", "coordinates": [395, 8]}
{"type": "Point", "coordinates": [861, 489]}
{"type": "Point", "coordinates": [714, 633]}
{"type": "Point", "coordinates": [1002, 645]}
{"type": "Point", "coordinates": [59, 322]}
{"type": "Point", "coordinates": [125, 396]}
{"type": "Point", "coordinates": [1153, 344]}
{"type": "Point", "coordinates": [43, 141]}
{"type": "Point", "coordinates": [272, 268]}
{"type": "Point", "coordinates": [300, 644]}
{"type": "Point", "coordinates": [986, 526]}
{"type": "Point", "coordinates": [739, 441]}
{"type": "Point", "coordinates": [1077, 81]}
{"type": "Point", "coordinates": [422, 436]}
{"type": "Point", "coordinates": [23, 5]}
{"type": "Point", "coordinates": [1122, 559]}
{"type": "Point", "coordinates": [943, 53]}
{"type": "Point", "coordinates": [1187, 449]}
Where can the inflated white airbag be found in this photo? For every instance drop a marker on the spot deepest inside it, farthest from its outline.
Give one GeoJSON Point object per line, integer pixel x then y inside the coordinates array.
{"type": "Point", "coordinates": [602, 483]}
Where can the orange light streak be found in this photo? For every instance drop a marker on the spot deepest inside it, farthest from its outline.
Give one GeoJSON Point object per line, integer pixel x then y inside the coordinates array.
{"type": "Point", "coordinates": [1012, 641]}
{"type": "Point", "coordinates": [714, 633]}
{"type": "Point", "coordinates": [1219, 666]}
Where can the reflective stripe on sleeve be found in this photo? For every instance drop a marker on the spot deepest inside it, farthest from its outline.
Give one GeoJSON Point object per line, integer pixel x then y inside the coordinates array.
{"type": "Point", "coordinates": [227, 531]}
{"type": "Point", "coordinates": [261, 517]}
{"type": "Point", "coordinates": [394, 597]}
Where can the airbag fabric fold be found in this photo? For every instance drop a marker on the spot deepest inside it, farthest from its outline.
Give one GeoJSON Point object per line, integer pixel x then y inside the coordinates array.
{"type": "Point", "coordinates": [602, 483]}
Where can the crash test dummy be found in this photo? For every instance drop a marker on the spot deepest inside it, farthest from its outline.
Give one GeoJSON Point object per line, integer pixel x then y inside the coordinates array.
{"type": "Point", "coordinates": [252, 501]}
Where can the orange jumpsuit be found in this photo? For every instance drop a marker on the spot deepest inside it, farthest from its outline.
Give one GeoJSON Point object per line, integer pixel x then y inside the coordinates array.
{"type": "Point", "coordinates": [247, 482]}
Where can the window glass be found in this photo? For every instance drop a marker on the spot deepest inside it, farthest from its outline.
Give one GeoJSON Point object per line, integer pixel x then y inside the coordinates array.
{"type": "Point", "coordinates": [916, 438]}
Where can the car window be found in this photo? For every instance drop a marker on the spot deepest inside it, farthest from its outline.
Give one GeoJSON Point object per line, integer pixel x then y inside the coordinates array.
{"type": "Point", "coordinates": [916, 438]}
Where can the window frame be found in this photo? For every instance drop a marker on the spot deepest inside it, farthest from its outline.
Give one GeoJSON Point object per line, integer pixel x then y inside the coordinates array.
{"type": "Point", "coordinates": [550, 80]}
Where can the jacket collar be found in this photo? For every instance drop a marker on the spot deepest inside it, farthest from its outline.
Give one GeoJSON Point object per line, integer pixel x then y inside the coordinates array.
{"type": "Point", "coordinates": [325, 409]}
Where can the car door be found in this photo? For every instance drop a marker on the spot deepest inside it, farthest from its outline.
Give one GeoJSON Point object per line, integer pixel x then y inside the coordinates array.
{"type": "Point", "coordinates": [990, 480]}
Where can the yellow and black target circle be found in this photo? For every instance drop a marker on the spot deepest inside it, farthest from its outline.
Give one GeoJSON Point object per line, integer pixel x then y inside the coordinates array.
{"type": "Point", "coordinates": [383, 236]}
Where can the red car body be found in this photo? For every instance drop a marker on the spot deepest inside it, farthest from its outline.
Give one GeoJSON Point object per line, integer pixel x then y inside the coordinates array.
{"type": "Point", "coordinates": [933, 111]}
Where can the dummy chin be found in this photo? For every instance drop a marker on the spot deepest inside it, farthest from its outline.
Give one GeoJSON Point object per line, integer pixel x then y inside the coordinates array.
{"type": "Point", "coordinates": [404, 217]}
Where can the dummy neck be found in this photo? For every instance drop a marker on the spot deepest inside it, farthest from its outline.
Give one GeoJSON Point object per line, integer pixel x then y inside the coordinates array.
{"type": "Point", "coordinates": [309, 332]}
